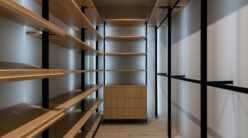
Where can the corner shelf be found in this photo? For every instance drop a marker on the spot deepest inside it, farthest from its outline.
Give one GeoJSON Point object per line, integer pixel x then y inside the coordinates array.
{"type": "Point", "coordinates": [72, 122]}
{"type": "Point", "coordinates": [126, 22]}
{"type": "Point", "coordinates": [10, 71]}
{"type": "Point", "coordinates": [125, 54]}
{"type": "Point", "coordinates": [125, 38]}
{"type": "Point", "coordinates": [70, 99]}
{"type": "Point", "coordinates": [72, 15]}
{"type": "Point", "coordinates": [26, 120]}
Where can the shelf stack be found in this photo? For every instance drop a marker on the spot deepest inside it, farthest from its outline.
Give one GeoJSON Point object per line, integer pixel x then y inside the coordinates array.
{"type": "Point", "coordinates": [125, 101]}
{"type": "Point", "coordinates": [25, 120]}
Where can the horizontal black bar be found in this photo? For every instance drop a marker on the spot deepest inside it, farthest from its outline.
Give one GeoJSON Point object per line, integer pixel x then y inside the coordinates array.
{"type": "Point", "coordinates": [179, 76]}
{"type": "Point", "coordinates": [166, 7]}
{"type": "Point", "coordinates": [187, 79]}
{"type": "Point", "coordinates": [229, 87]}
{"type": "Point", "coordinates": [162, 74]}
{"type": "Point", "coordinates": [222, 82]}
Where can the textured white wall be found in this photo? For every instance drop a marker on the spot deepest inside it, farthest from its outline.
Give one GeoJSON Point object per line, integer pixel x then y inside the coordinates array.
{"type": "Point", "coordinates": [227, 45]}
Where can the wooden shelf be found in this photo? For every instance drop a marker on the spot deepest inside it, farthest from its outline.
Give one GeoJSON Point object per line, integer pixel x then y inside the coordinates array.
{"type": "Point", "coordinates": [126, 22]}
{"type": "Point", "coordinates": [10, 71]}
{"type": "Point", "coordinates": [13, 11]}
{"type": "Point", "coordinates": [91, 11]}
{"type": "Point", "coordinates": [69, 12]}
{"type": "Point", "coordinates": [90, 127]}
{"type": "Point", "coordinates": [125, 54]}
{"type": "Point", "coordinates": [125, 38]}
{"type": "Point", "coordinates": [125, 70]}
{"type": "Point", "coordinates": [26, 120]}
{"type": "Point", "coordinates": [160, 11]}
{"type": "Point", "coordinates": [70, 99]}
{"type": "Point", "coordinates": [72, 123]}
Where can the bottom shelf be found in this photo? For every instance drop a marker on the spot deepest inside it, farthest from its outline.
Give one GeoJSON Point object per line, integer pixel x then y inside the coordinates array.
{"type": "Point", "coordinates": [26, 120]}
{"type": "Point", "coordinates": [70, 125]}
{"type": "Point", "coordinates": [90, 127]}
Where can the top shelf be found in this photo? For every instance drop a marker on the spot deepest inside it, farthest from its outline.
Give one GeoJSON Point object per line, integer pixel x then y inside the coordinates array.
{"type": "Point", "coordinates": [69, 12]}
{"type": "Point", "coordinates": [126, 22]}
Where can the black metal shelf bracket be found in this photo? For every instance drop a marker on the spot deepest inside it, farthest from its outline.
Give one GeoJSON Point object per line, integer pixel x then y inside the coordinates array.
{"type": "Point", "coordinates": [146, 31]}
{"type": "Point", "coordinates": [156, 71]}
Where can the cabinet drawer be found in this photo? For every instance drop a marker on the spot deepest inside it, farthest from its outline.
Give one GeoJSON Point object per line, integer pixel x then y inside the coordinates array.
{"type": "Point", "coordinates": [137, 103]}
{"type": "Point", "coordinates": [115, 92]}
{"type": "Point", "coordinates": [137, 114]}
{"type": "Point", "coordinates": [116, 114]}
{"type": "Point", "coordinates": [114, 103]}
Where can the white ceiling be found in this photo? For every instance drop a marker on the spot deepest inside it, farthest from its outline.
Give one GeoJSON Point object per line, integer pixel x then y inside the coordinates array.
{"type": "Point", "coordinates": [124, 2]}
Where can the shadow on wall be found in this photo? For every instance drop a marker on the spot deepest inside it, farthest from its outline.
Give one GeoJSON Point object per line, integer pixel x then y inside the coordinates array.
{"type": "Point", "coordinates": [217, 9]}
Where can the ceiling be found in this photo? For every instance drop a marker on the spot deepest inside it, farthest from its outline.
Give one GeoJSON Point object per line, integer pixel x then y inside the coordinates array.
{"type": "Point", "coordinates": [124, 8]}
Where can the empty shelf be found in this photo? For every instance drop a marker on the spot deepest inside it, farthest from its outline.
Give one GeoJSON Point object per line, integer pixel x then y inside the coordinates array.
{"type": "Point", "coordinates": [13, 11]}
{"type": "Point", "coordinates": [10, 71]}
{"type": "Point", "coordinates": [126, 22]}
{"type": "Point", "coordinates": [70, 99]}
{"type": "Point", "coordinates": [25, 120]}
{"type": "Point", "coordinates": [125, 38]}
{"type": "Point", "coordinates": [125, 70]}
{"type": "Point", "coordinates": [90, 127]}
{"type": "Point", "coordinates": [125, 54]}
{"type": "Point", "coordinates": [71, 15]}
{"type": "Point", "coordinates": [72, 122]}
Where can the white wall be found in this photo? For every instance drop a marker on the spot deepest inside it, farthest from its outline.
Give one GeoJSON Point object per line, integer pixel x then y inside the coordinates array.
{"type": "Point", "coordinates": [227, 45]}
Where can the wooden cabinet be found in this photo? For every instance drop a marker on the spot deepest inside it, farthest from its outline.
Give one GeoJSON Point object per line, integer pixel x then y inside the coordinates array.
{"type": "Point", "coordinates": [125, 102]}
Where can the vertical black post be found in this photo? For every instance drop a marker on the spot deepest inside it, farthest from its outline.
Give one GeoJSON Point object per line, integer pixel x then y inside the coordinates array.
{"type": "Point", "coordinates": [203, 68]}
{"type": "Point", "coordinates": [156, 71]}
{"type": "Point", "coordinates": [146, 50]}
{"type": "Point", "coordinates": [97, 66]}
{"type": "Point", "coordinates": [45, 61]}
{"type": "Point", "coordinates": [104, 50]}
{"type": "Point", "coordinates": [82, 66]}
{"type": "Point", "coordinates": [169, 72]}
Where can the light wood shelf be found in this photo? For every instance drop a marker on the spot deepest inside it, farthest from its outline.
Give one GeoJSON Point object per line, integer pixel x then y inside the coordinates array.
{"type": "Point", "coordinates": [160, 10]}
{"type": "Point", "coordinates": [26, 120]}
{"type": "Point", "coordinates": [10, 71]}
{"type": "Point", "coordinates": [126, 22]}
{"type": "Point", "coordinates": [70, 99]}
{"type": "Point", "coordinates": [13, 11]}
{"type": "Point", "coordinates": [72, 122]}
{"type": "Point", "coordinates": [91, 11]}
{"type": "Point", "coordinates": [125, 70]}
{"type": "Point", "coordinates": [90, 127]}
{"type": "Point", "coordinates": [69, 12]}
{"type": "Point", "coordinates": [125, 54]}
{"type": "Point", "coordinates": [125, 38]}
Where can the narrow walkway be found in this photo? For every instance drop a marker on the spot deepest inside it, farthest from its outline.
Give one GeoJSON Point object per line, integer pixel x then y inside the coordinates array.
{"type": "Point", "coordinates": [152, 129]}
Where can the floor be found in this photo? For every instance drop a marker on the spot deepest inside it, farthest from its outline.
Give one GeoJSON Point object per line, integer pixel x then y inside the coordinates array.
{"type": "Point", "coordinates": [153, 129]}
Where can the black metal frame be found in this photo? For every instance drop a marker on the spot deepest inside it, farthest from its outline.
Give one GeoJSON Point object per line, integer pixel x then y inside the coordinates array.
{"type": "Point", "coordinates": [156, 71]}
{"type": "Point", "coordinates": [45, 62]}
{"type": "Point", "coordinates": [97, 66]}
{"type": "Point", "coordinates": [146, 31]}
{"type": "Point", "coordinates": [104, 50]}
{"type": "Point", "coordinates": [203, 80]}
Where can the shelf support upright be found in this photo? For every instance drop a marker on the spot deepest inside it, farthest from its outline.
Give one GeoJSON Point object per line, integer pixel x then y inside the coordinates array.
{"type": "Point", "coordinates": [169, 72]}
{"type": "Point", "coordinates": [146, 30]}
{"type": "Point", "coordinates": [45, 62]}
{"type": "Point", "coordinates": [204, 68]}
{"type": "Point", "coordinates": [97, 67]}
{"type": "Point", "coordinates": [82, 66]}
{"type": "Point", "coordinates": [156, 71]}
{"type": "Point", "coordinates": [104, 51]}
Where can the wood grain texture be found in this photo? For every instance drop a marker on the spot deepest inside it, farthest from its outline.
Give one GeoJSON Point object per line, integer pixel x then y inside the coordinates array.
{"type": "Point", "coordinates": [24, 120]}
{"type": "Point", "coordinates": [125, 102]}
{"type": "Point", "coordinates": [125, 38]}
{"type": "Point", "coordinates": [72, 16]}
{"type": "Point", "coordinates": [70, 125]}
{"type": "Point", "coordinates": [126, 22]}
{"type": "Point", "coordinates": [10, 9]}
